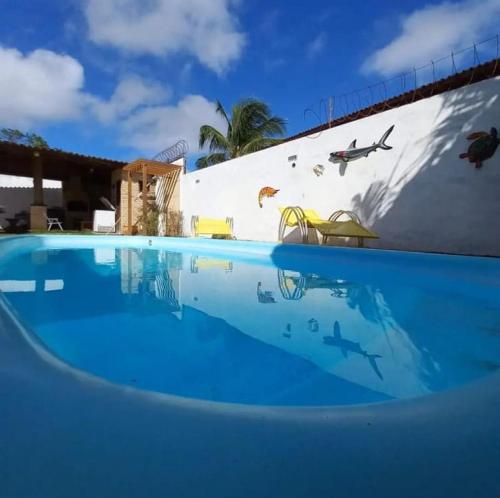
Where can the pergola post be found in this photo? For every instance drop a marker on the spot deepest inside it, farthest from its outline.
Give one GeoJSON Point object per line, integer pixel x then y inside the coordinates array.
{"type": "Point", "coordinates": [145, 168]}
{"type": "Point", "coordinates": [38, 210]}
{"type": "Point", "coordinates": [37, 179]}
{"type": "Point", "coordinates": [129, 203]}
{"type": "Point", "coordinates": [144, 197]}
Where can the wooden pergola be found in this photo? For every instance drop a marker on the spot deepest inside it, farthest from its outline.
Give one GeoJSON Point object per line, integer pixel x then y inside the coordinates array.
{"type": "Point", "coordinates": [145, 168]}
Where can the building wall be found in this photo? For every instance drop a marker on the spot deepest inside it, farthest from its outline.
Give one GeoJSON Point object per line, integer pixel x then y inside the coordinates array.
{"type": "Point", "coordinates": [120, 177]}
{"type": "Point", "coordinates": [16, 195]}
{"type": "Point", "coordinates": [417, 196]}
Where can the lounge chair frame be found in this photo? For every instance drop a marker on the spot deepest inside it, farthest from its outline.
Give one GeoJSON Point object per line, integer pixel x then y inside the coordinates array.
{"type": "Point", "coordinates": [299, 218]}
{"type": "Point", "coordinates": [289, 293]}
{"type": "Point", "coordinates": [288, 213]}
{"type": "Point", "coordinates": [352, 215]}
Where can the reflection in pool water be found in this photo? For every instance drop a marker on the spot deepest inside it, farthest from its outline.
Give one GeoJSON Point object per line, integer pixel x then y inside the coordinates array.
{"type": "Point", "coordinates": [223, 330]}
{"type": "Point", "coordinates": [347, 346]}
{"type": "Point", "coordinates": [264, 297]}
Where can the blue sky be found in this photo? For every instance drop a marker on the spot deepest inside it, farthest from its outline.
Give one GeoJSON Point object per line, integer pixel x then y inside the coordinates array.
{"type": "Point", "coordinates": [122, 78]}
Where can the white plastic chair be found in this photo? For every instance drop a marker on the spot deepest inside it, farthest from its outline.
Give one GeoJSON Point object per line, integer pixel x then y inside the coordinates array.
{"type": "Point", "coordinates": [54, 221]}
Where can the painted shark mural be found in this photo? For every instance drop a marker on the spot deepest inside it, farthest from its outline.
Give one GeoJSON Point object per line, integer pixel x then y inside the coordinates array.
{"type": "Point", "coordinates": [352, 153]}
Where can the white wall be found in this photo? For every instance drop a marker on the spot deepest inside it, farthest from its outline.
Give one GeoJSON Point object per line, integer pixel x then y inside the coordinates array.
{"type": "Point", "coordinates": [417, 196]}
{"type": "Point", "coordinates": [16, 195]}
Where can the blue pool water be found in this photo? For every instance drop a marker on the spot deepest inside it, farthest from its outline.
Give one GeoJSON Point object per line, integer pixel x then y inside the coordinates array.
{"type": "Point", "coordinates": [273, 332]}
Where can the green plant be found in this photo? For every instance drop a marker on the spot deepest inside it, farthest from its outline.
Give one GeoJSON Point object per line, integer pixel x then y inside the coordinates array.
{"type": "Point", "coordinates": [250, 128]}
{"type": "Point", "coordinates": [149, 223]}
{"type": "Point", "coordinates": [18, 137]}
{"type": "Point", "coordinates": [174, 222]}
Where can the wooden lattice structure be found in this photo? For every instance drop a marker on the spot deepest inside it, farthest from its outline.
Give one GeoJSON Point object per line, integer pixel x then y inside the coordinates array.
{"type": "Point", "coordinates": [145, 168]}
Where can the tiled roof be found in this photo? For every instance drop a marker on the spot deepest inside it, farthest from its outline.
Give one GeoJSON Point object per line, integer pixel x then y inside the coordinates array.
{"type": "Point", "coordinates": [61, 153]}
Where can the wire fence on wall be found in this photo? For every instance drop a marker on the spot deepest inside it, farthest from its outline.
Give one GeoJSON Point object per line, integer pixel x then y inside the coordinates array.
{"type": "Point", "coordinates": [339, 106]}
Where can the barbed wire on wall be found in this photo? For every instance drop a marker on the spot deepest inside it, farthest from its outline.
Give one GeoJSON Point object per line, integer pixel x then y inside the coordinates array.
{"type": "Point", "coordinates": [361, 101]}
{"type": "Point", "coordinates": [172, 153]}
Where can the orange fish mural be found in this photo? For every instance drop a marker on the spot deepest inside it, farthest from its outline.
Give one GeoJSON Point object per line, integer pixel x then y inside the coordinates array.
{"type": "Point", "coordinates": [266, 192]}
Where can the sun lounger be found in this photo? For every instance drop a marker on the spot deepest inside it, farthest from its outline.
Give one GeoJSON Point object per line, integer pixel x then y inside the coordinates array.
{"type": "Point", "coordinates": [213, 227]}
{"type": "Point", "coordinates": [205, 263]}
{"type": "Point", "coordinates": [304, 219]}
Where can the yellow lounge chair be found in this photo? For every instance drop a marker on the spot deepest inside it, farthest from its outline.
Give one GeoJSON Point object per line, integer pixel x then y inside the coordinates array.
{"type": "Point", "coordinates": [204, 263]}
{"type": "Point", "coordinates": [209, 226]}
{"type": "Point", "coordinates": [293, 216]}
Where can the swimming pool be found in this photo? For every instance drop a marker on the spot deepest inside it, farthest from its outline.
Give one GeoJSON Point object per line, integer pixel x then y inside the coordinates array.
{"type": "Point", "coordinates": [315, 351]}
{"type": "Point", "coordinates": [245, 329]}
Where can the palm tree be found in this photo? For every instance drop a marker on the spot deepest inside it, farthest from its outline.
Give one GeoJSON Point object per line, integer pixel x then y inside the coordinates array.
{"type": "Point", "coordinates": [249, 129]}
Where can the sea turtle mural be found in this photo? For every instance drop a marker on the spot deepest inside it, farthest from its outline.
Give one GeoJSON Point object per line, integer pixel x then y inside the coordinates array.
{"type": "Point", "coordinates": [483, 146]}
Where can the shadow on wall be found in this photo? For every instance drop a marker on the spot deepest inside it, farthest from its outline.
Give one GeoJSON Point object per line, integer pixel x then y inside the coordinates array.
{"type": "Point", "coordinates": [293, 236]}
{"type": "Point", "coordinates": [441, 202]}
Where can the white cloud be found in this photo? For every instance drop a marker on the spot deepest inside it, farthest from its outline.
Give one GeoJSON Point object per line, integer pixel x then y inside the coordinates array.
{"type": "Point", "coordinates": [316, 45]}
{"type": "Point", "coordinates": [154, 128]}
{"type": "Point", "coordinates": [206, 29]}
{"type": "Point", "coordinates": [41, 86]}
{"type": "Point", "coordinates": [433, 32]}
{"type": "Point", "coordinates": [131, 92]}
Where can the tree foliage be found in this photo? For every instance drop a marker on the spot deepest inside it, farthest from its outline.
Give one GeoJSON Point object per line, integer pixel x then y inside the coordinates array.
{"type": "Point", "coordinates": [250, 128]}
{"type": "Point", "coordinates": [19, 137]}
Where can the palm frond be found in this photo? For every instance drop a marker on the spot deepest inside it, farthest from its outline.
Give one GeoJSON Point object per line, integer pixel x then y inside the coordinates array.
{"type": "Point", "coordinates": [272, 126]}
{"type": "Point", "coordinates": [248, 115]}
{"type": "Point", "coordinates": [210, 160]}
{"type": "Point", "coordinates": [259, 144]}
{"type": "Point", "coordinates": [250, 127]}
{"type": "Point", "coordinates": [217, 142]}
{"type": "Point", "coordinates": [219, 109]}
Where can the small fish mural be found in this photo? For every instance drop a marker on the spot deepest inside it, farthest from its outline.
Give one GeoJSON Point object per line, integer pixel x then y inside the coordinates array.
{"type": "Point", "coordinates": [266, 192]}
{"type": "Point", "coordinates": [483, 146]}
{"type": "Point", "coordinates": [353, 153]}
{"type": "Point", "coordinates": [319, 169]}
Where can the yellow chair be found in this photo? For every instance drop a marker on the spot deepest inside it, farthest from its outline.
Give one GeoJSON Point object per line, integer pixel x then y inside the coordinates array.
{"type": "Point", "coordinates": [209, 226]}
{"type": "Point", "coordinates": [293, 216]}
{"type": "Point", "coordinates": [205, 263]}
